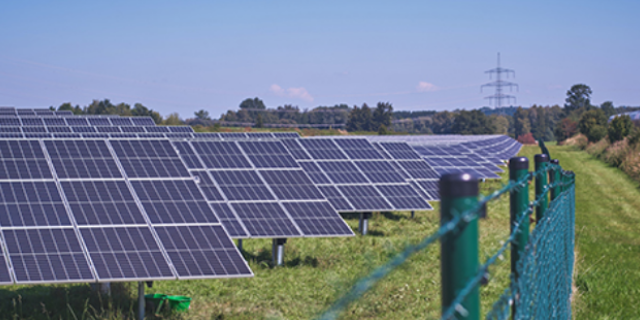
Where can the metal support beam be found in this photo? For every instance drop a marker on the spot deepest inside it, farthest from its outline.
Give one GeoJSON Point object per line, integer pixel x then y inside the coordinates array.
{"type": "Point", "coordinates": [141, 301]}
{"type": "Point", "coordinates": [364, 223]}
{"type": "Point", "coordinates": [277, 251]}
{"type": "Point", "coordinates": [240, 245]}
{"type": "Point", "coordinates": [413, 214]}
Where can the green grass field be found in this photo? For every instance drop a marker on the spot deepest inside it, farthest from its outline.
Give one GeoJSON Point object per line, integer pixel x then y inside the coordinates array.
{"type": "Point", "coordinates": [318, 271]}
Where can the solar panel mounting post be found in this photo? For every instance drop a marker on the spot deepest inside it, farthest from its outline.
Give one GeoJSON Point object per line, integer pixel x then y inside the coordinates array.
{"type": "Point", "coordinates": [277, 251]}
{"type": "Point", "coordinates": [141, 302]}
{"type": "Point", "coordinates": [364, 222]}
{"type": "Point", "coordinates": [240, 245]}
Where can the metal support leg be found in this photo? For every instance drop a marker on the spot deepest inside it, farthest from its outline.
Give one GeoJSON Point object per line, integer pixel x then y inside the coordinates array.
{"type": "Point", "coordinates": [141, 302]}
{"type": "Point", "coordinates": [277, 251]}
{"type": "Point", "coordinates": [413, 214]}
{"type": "Point", "coordinates": [105, 288]}
{"type": "Point", "coordinates": [240, 245]}
{"type": "Point", "coordinates": [364, 222]}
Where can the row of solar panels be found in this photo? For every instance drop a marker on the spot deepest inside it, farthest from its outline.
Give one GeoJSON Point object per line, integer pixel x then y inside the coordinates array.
{"type": "Point", "coordinates": [180, 132]}
{"type": "Point", "coordinates": [75, 121]}
{"type": "Point", "coordinates": [10, 111]}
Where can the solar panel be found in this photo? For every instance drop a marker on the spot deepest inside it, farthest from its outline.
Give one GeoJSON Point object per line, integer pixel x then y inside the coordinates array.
{"type": "Point", "coordinates": [364, 198]}
{"type": "Point", "coordinates": [149, 159]}
{"type": "Point", "coordinates": [314, 172]}
{"type": "Point", "coordinates": [259, 135]}
{"type": "Point", "coordinates": [322, 149]}
{"type": "Point", "coordinates": [403, 197]}
{"type": "Point", "coordinates": [337, 200]}
{"type": "Point", "coordinates": [120, 121]}
{"type": "Point", "coordinates": [342, 172]}
{"type": "Point", "coordinates": [265, 219]}
{"type": "Point", "coordinates": [156, 129]}
{"type": "Point", "coordinates": [431, 188]}
{"type": "Point", "coordinates": [133, 129]}
{"type": "Point", "coordinates": [108, 129]}
{"type": "Point", "coordinates": [99, 122]}
{"type": "Point", "coordinates": [291, 185]}
{"type": "Point", "coordinates": [317, 218]}
{"type": "Point", "coordinates": [295, 149]}
{"type": "Point", "coordinates": [90, 200]}
{"type": "Point", "coordinates": [358, 149]}
{"type": "Point", "coordinates": [32, 122]}
{"type": "Point", "coordinates": [286, 135]}
{"type": "Point", "coordinates": [187, 129]}
{"type": "Point", "coordinates": [10, 129]}
{"type": "Point", "coordinates": [142, 121]}
{"type": "Point", "coordinates": [54, 122]}
{"type": "Point", "coordinates": [229, 220]}
{"type": "Point", "coordinates": [10, 122]}
{"type": "Point", "coordinates": [59, 129]}
{"type": "Point", "coordinates": [23, 160]}
{"type": "Point", "coordinates": [206, 135]}
{"type": "Point", "coordinates": [242, 185]}
{"type": "Point", "coordinates": [187, 154]}
{"type": "Point", "coordinates": [46, 255]}
{"type": "Point", "coordinates": [268, 154]}
{"type": "Point", "coordinates": [34, 129]}
{"type": "Point", "coordinates": [220, 154]}
{"type": "Point", "coordinates": [75, 159]}
{"type": "Point", "coordinates": [77, 122]}
{"type": "Point", "coordinates": [380, 172]}
{"type": "Point", "coordinates": [31, 204]}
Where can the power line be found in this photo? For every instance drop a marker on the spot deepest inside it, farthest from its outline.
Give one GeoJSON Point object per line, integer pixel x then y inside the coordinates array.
{"type": "Point", "coordinates": [498, 97]}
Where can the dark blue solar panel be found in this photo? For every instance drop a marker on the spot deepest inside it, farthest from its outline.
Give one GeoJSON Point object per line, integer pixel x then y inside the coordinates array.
{"type": "Point", "coordinates": [220, 154]}
{"type": "Point", "coordinates": [99, 122]}
{"type": "Point", "coordinates": [365, 197]}
{"type": "Point", "coordinates": [77, 122]}
{"type": "Point", "coordinates": [149, 159]}
{"type": "Point", "coordinates": [337, 200]}
{"type": "Point", "coordinates": [157, 129]}
{"type": "Point", "coordinates": [400, 150]}
{"type": "Point", "coordinates": [102, 203]}
{"type": "Point", "coordinates": [228, 219]}
{"type": "Point", "coordinates": [208, 187]}
{"type": "Point", "coordinates": [380, 172]}
{"type": "Point", "coordinates": [121, 253]}
{"type": "Point", "coordinates": [23, 159]}
{"type": "Point", "coordinates": [342, 172]}
{"type": "Point", "coordinates": [265, 219]}
{"type": "Point", "coordinates": [108, 129]}
{"type": "Point", "coordinates": [178, 135]}
{"type": "Point", "coordinates": [11, 135]}
{"type": "Point", "coordinates": [233, 135]}
{"type": "Point", "coordinates": [291, 185]}
{"type": "Point", "coordinates": [359, 149]}
{"type": "Point", "coordinates": [268, 154]}
{"type": "Point", "coordinates": [121, 121]}
{"type": "Point", "coordinates": [214, 254]}
{"type": "Point", "coordinates": [242, 185]}
{"type": "Point", "coordinates": [37, 135]}
{"type": "Point", "coordinates": [31, 204]}
{"type": "Point", "coordinates": [59, 129]}
{"type": "Point", "coordinates": [64, 113]}
{"type": "Point", "coordinates": [55, 122]}
{"type": "Point", "coordinates": [322, 149]}
{"type": "Point", "coordinates": [187, 154]}
{"type": "Point", "coordinates": [187, 129]}
{"type": "Point", "coordinates": [295, 149]}
{"type": "Point", "coordinates": [67, 135]}
{"type": "Point", "coordinates": [259, 135]}
{"type": "Point", "coordinates": [34, 129]}
{"type": "Point", "coordinates": [314, 172]}
{"type": "Point", "coordinates": [83, 129]}
{"type": "Point", "coordinates": [174, 201]}
{"type": "Point", "coordinates": [10, 122]}
{"type": "Point", "coordinates": [206, 135]}
{"type": "Point", "coordinates": [143, 121]}
{"type": "Point", "coordinates": [403, 197]}
{"type": "Point", "coordinates": [150, 135]}
{"type": "Point", "coordinates": [82, 159]}
{"type": "Point", "coordinates": [32, 122]}
{"type": "Point", "coordinates": [286, 135]}
{"type": "Point", "coordinates": [419, 169]}
{"type": "Point", "coordinates": [431, 187]}
{"type": "Point", "coordinates": [317, 219]}
{"type": "Point", "coordinates": [10, 129]}
{"type": "Point", "coordinates": [133, 129]}
{"type": "Point", "coordinates": [13, 149]}
{"type": "Point", "coordinates": [122, 135]}
{"type": "Point", "coordinates": [46, 255]}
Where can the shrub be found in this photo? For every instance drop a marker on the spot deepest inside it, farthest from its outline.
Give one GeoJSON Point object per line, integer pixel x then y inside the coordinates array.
{"type": "Point", "coordinates": [597, 149]}
{"type": "Point", "coordinates": [596, 133]}
{"type": "Point", "coordinates": [566, 129]}
{"type": "Point", "coordinates": [527, 138]}
{"type": "Point", "coordinates": [593, 124]}
{"type": "Point", "coordinates": [580, 141]}
{"type": "Point", "coordinates": [616, 153]}
{"type": "Point", "coordinates": [619, 128]}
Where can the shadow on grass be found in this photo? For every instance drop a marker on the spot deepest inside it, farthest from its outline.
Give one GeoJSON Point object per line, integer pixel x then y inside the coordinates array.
{"type": "Point", "coordinates": [393, 216]}
{"type": "Point", "coordinates": [75, 301]}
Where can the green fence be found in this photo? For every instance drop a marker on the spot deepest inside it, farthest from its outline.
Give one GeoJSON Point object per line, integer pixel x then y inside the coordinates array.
{"type": "Point", "coordinates": [541, 259]}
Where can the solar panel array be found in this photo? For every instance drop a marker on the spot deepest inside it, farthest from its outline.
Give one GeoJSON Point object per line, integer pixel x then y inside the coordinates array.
{"type": "Point", "coordinates": [82, 210]}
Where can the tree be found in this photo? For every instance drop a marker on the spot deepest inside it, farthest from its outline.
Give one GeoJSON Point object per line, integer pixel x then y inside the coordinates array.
{"type": "Point", "coordinates": [382, 115]}
{"type": "Point", "coordinates": [593, 124]}
{"type": "Point", "coordinates": [202, 115]}
{"type": "Point", "coordinates": [353, 121]}
{"type": "Point", "coordinates": [608, 108]}
{"type": "Point", "coordinates": [442, 122]}
{"type": "Point", "coordinates": [619, 128]}
{"type": "Point", "coordinates": [501, 123]}
{"type": "Point", "coordinates": [251, 104]}
{"type": "Point", "coordinates": [366, 118]}
{"type": "Point", "coordinates": [521, 123]}
{"type": "Point", "coordinates": [472, 122]}
{"type": "Point", "coordinates": [565, 129]}
{"type": "Point", "coordinates": [259, 123]}
{"type": "Point", "coordinates": [172, 120]}
{"type": "Point", "coordinates": [578, 97]}
{"type": "Point", "coordinates": [382, 130]}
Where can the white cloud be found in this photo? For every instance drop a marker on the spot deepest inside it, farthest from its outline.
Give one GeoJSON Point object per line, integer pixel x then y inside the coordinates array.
{"type": "Point", "coordinates": [426, 86]}
{"type": "Point", "coordinates": [297, 93]}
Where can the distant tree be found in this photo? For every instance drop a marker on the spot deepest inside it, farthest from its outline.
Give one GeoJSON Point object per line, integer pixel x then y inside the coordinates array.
{"type": "Point", "coordinates": [619, 128]}
{"type": "Point", "coordinates": [565, 129]}
{"type": "Point", "coordinates": [254, 103]}
{"type": "Point", "coordinates": [353, 121]}
{"type": "Point", "coordinates": [527, 138]}
{"type": "Point", "coordinates": [608, 108]}
{"type": "Point", "coordinates": [366, 118]}
{"type": "Point", "coordinates": [593, 124]}
{"type": "Point", "coordinates": [442, 122]}
{"type": "Point", "coordinates": [382, 130]}
{"type": "Point", "coordinates": [521, 123]}
{"type": "Point", "coordinates": [578, 97]}
{"type": "Point", "coordinates": [202, 115]}
{"type": "Point", "coordinates": [172, 120]}
{"type": "Point", "coordinates": [501, 123]}
{"type": "Point", "coordinates": [139, 110]}
{"type": "Point", "coordinates": [472, 122]}
{"type": "Point", "coordinates": [259, 123]}
{"type": "Point", "coordinates": [382, 115]}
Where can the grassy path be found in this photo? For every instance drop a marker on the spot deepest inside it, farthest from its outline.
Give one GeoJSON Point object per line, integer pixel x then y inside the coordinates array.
{"type": "Point", "coordinates": [607, 238]}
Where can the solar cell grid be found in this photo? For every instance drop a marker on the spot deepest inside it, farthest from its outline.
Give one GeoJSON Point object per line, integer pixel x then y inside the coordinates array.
{"type": "Point", "coordinates": [431, 187]}
{"type": "Point", "coordinates": [108, 129]}
{"type": "Point", "coordinates": [46, 256]}
{"type": "Point", "coordinates": [286, 135]}
{"type": "Point", "coordinates": [220, 154]}
{"type": "Point", "coordinates": [335, 198]}
{"type": "Point", "coordinates": [119, 121]}
{"type": "Point", "coordinates": [403, 197]}
{"type": "Point", "coordinates": [209, 247]}
{"type": "Point", "coordinates": [314, 172]}
{"type": "Point", "coordinates": [32, 122]}
{"type": "Point", "coordinates": [399, 151]}
{"type": "Point", "coordinates": [230, 222]}
{"type": "Point", "coordinates": [10, 129]}
{"type": "Point", "coordinates": [380, 172]}
{"type": "Point", "coordinates": [11, 135]}
{"type": "Point", "coordinates": [34, 129]}
{"type": "Point", "coordinates": [59, 129]}
{"type": "Point", "coordinates": [232, 135]}
{"type": "Point", "coordinates": [37, 135]}
{"type": "Point", "coordinates": [342, 172]}
{"type": "Point", "coordinates": [149, 159]}
{"type": "Point", "coordinates": [142, 121]}
{"type": "Point", "coordinates": [54, 122]}
{"type": "Point", "coordinates": [268, 154]}
{"type": "Point", "coordinates": [418, 170]}
{"type": "Point", "coordinates": [77, 122]}
{"type": "Point", "coordinates": [208, 187]}
{"type": "Point", "coordinates": [295, 149]}
{"type": "Point", "coordinates": [322, 149]}
{"type": "Point", "coordinates": [187, 129]}
{"type": "Point", "coordinates": [187, 154]}
{"type": "Point", "coordinates": [364, 197]}
{"type": "Point", "coordinates": [133, 129]}
{"type": "Point", "coordinates": [242, 185]}
{"type": "Point", "coordinates": [318, 219]}
{"type": "Point", "coordinates": [23, 159]}
{"type": "Point", "coordinates": [102, 203]}
{"type": "Point", "coordinates": [259, 135]}
{"type": "Point", "coordinates": [156, 129]}
{"type": "Point", "coordinates": [28, 204]}
{"type": "Point", "coordinates": [173, 202]}
{"type": "Point", "coordinates": [121, 253]}
{"type": "Point", "coordinates": [99, 122]}
{"type": "Point", "coordinates": [206, 135]}
{"type": "Point", "coordinates": [291, 185]}
{"type": "Point", "coordinates": [10, 122]}
{"type": "Point", "coordinates": [178, 135]}
{"type": "Point", "coordinates": [358, 149]}
{"type": "Point", "coordinates": [77, 159]}
{"type": "Point", "coordinates": [265, 219]}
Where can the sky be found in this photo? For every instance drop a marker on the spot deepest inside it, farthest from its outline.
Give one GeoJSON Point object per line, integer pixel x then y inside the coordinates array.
{"type": "Point", "coordinates": [184, 56]}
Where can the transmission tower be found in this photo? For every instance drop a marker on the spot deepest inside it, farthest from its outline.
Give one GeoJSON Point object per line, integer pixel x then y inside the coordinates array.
{"type": "Point", "coordinates": [499, 84]}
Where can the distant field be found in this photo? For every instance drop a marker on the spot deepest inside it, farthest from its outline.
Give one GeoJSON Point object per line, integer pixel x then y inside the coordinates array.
{"type": "Point", "coordinates": [319, 270]}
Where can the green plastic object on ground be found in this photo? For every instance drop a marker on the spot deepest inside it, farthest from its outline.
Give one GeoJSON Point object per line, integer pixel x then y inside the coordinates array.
{"type": "Point", "coordinates": [177, 303]}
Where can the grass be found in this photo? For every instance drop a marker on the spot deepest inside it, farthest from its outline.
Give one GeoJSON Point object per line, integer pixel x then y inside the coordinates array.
{"type": "Point", "coordinates": [319, 270]}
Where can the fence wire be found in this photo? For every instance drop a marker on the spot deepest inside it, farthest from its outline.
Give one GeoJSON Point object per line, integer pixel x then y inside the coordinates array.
{"type": "Point", "coordinates": [543, 290]}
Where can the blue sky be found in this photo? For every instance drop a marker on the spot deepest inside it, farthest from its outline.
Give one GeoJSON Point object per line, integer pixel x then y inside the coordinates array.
{"type": "Point", "coordinates": [419, 55]}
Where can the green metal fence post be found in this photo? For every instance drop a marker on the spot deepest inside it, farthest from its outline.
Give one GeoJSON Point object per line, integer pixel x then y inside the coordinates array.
{"type": "Point", "coordinates": [541, 161]}
{"type": "Point", "coordinates": [459, 249]}
{"type": "Point", "coordinates": [554, 175]}
{"type": "Point", "coordinates": [518, 169]}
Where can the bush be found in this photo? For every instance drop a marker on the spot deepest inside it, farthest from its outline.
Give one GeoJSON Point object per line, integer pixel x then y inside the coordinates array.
{"type": "Point", "coordinates": [580, 141]}
{"type": "Point", "coordinates": [566, 129]}
{"type": "Point", "coordinates": [619, 128]}
{"type": "Point", "coordinates": [597, 149]}
{"type": "Point", "coordinates": [526, 138]}
{"type": "Point", "coordinates": [616, 153]}
{"type": "Point", "coordinates": [593, 124]}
